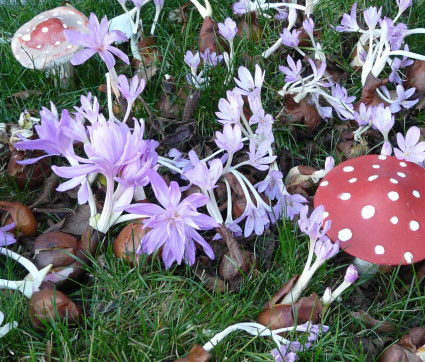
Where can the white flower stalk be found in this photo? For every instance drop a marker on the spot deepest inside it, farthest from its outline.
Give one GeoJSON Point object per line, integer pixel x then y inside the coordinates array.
{"type": "Point", "coordinates": [7, 327]}
{"type": "Point", "coordinates": [254, 329]}
{"type": "Point", "coordinates": [31, 283]}
{"type": "Point", "coordinates": [203, 10]}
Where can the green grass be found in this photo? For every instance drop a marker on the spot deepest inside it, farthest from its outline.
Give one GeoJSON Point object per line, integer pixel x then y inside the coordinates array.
{"type": "Point", "coordinates": [152, 314]}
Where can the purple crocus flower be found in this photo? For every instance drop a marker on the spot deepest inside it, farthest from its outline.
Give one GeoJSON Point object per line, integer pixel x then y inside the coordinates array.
{"type": "Point", "coordinates": [231, 138]}
{"type": "Point", "coordinates": [342, 103]}
{"type": "Point", "coordinates": [258, 156]}
{"type": "Point", "coordinates": [308, 26]}
{"type": "Point", "coordinates": [410, 149]}
{"type": "Point", "coordinates": [98, 40]}
{"type": "Point", "coordinates": [246, 83]}
{"type": "Point", "coordinates": [256, 219]}
{"type": "Point", "coordinates": [383, 120]}
{"type": "Point", "coordinates": [211, 59]}
{"type": "Point", "coordinates": [230, 108]}
{"type": "Point", "coordinates": [351, 274]}
{"type": "Point", "coordinates": [5, 238]}
{"type": "Point", "coordinates": [281, 14]}
{"type": "Point", "coordinates": [174, 225]}
{"type": "Point", "coordinates": [203, 177]}
{"type": "Point", "coordinates": [325, 249]}
{"type": "Point", "coordinates": [272, 185]}
{"type": "Point", "coordinates": [192, 60]}
{"type": "Point", "coordinates": [386, 149]}
{"type": "Point", "coordinates": [102, 157]}
{"type": "Point", "coordinates": [395, 34]}
{"type": "Point", "coordinates": [311, 226]}
{"type": "Point", "coordinates": [401, 101]}
{"type": "Point", "coordinates": [138, 3]}
{"type": "Point", "coordinates": [130, 89]}
{"type": "Point", "coordinates": [88, 110]}
{"type": "Point", "coordinates": [371, 16]}
{"type": "Point", "coordinates": [264, 121]}
{"type": "Point", "coordinates": [403, 4]}
{"type": "Point", "coordinates": [51, 136]}
{"type": "Point", "coordinates": [284, 354]}
{"type": "Point", "coordinates": [349, 22]}
{"type": "Point", "coordinates": [292, 73]}
{"type": "Point", "coordinates": [364, 115]}
{"type": "Point", "coordinates": [228, 29]}
{"type": "Point", "coordinates": [290, 39]}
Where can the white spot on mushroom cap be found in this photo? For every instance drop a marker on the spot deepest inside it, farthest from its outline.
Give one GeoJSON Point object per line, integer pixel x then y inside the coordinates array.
{"type": "Point", "coordinates": [382, 157]}
{"type": "Point", "coordinates": [393, 180]}
{"type": "Point", "coordinates": [368, 211]}
{"type": "Point", "coordinates": [393, 196]}
{"type": "Point", "coordinates": [69, 47]}
{"type": "Point", "coordinates": [324, 183]}
{"type": "Point", "coordinates": [325, 214]}
{"type": "Point", "coordinates": [409, 257]}
{"type": "Point", "coordinates": [45, 29]}
{"type": "Point", "coordinates": [352, 180]}
{"type": "Point", "coordinates": [348, 169]}
{"type": "Point", "coordinates": [57, 43]}
{"type": "Point", "coordinates": [38, 46]}
{"type": "Point", "coordinates": [345, 196]}
{"type": "Point", "coordinates": [414, 225]}
{"type": "Point", "coordinates": [79, 22]}
{"type": "Point", "coordinates": [71, 12]}
{"type": "Point", "coordinates": [403, 164]}
{"type": "Point", "coordinates": [401, 174]}
{"type": "Point", "coordinates": [376, 166]}
{"type": "Point", "coordinates": [394, 220]}
{"type": "Point", "coordinates": [416, 193]}
{"type": "Point", "coordinates": [374, 177]}
{"type": "Point", "coordinates": [26, 37]}
{"type": "Point", "coordinates": [65, 26]}
{"type": "Point", "coordinates": [345, 234]}
{"type": "Point", "coordinates": [379, 249]}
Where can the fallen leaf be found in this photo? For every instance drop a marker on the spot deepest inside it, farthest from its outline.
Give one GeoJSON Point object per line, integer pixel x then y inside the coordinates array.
{"type": "Point", "coordinates": [77, 222]}
{"type": "Point", "coordinates": [410, 348]}
{"type": "Point", "coordinates": [370, 322]}
{"type": "Point", "coordinates": [196, 354]}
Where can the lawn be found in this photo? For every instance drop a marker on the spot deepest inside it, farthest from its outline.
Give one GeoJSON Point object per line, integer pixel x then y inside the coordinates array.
{"type": "Point", "coordinates": [159, 309]}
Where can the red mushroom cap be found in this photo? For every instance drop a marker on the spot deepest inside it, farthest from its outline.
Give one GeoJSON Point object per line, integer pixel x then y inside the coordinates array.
{"type": "Point", "coordinates": [41, 42]}
{"type": "Point", "coordinates": [376, 205]}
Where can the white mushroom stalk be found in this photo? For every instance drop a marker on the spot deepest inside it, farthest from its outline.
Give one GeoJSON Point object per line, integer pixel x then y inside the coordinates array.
{"type": "Point", "coordinates": [31, 283]}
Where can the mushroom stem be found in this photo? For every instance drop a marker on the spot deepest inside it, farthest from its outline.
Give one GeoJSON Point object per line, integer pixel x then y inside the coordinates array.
{"type": "Point", "coordinates": [62, 75]}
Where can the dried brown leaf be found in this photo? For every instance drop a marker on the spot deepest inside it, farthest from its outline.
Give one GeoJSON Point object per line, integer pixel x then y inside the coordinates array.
{"type": "Point", "coordinates": [196, 354]}
{"type": "Point", "coordinates": [370, 322]}
{"type": "Point", "coordinates": [77, 222]}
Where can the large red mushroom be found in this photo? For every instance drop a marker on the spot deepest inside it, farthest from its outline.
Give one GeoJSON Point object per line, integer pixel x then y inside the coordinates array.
{"type": "Point", "coordinates": [376, 204]}
{"type": "Point", "coordinates": [41, 43]}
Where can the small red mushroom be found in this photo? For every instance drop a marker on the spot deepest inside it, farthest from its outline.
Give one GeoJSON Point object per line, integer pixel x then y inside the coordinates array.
{"type": "Point", "coordinates": [41, 43]}
{"type": "Point", "coordinates": [376, 207]}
